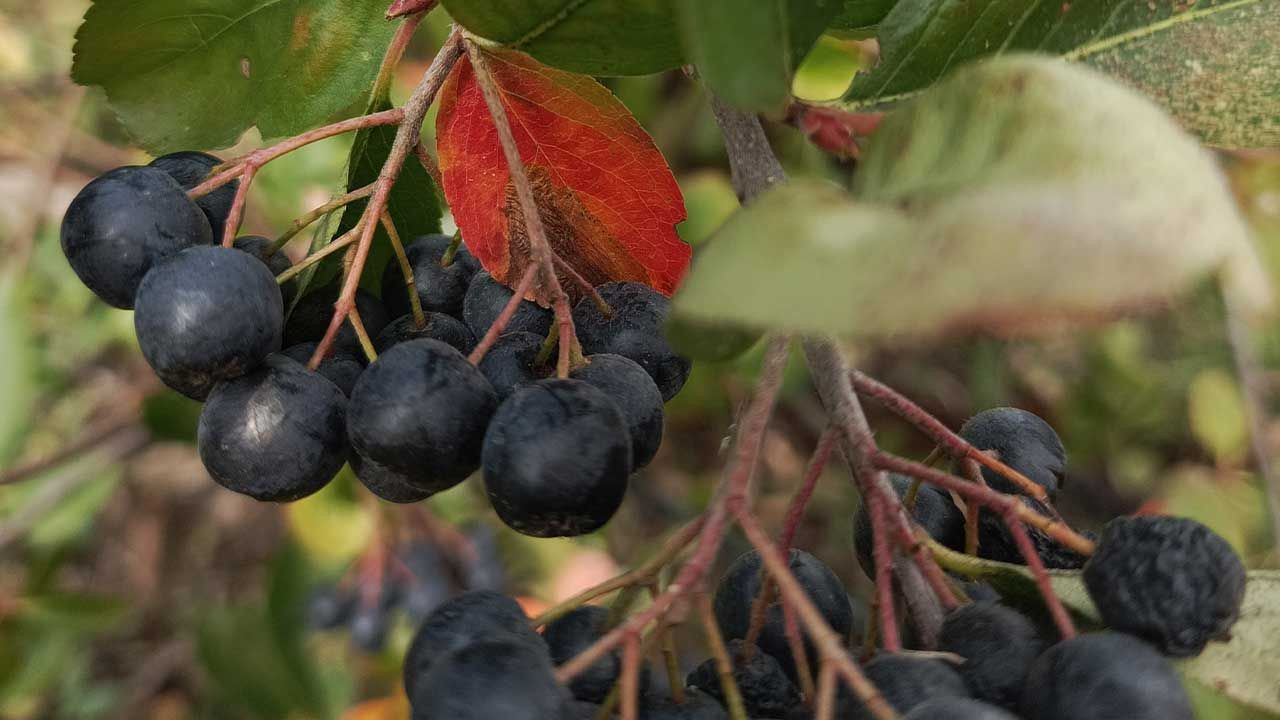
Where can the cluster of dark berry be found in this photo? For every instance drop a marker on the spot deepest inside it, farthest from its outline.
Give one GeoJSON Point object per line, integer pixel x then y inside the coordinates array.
{"type": "Point", "coordinates": [557, 453]}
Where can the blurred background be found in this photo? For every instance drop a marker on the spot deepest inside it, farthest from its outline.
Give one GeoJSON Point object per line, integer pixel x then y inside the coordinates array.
{"type": "Point", "coordinates": [132, 586]}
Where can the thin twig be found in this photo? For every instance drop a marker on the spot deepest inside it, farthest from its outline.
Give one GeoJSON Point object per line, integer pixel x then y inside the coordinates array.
{"type": "Point", "coordinates": [232, 226]}
{"type": "Point", "coordinates": [630, 681]}
{"type": "Point", "coordinates": [406, 269]}
{"type": "Point", "coordinates": [1036, 566]}
{"type": "Point", "coordinates": [670, 658]}
{"type": "Point", "coordinates": [296, 269]}
{"type": "Point", "coordinates": [826, 705]}
{"type": "Point", "coordinates": [366, 344]}
{"type": "Point", "coordinates": [314, 214]}
{"type": "Point", "coordinates": [724, 663]}
{"type": "Point", "coordinates": [817, 464]}
{"type": "Point", "coordinates": [429, 164]}
{"type": "Point", "coordinates": [504, 318]}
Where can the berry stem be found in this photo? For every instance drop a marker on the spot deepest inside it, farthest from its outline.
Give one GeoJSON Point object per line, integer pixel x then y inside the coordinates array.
{"type": "Point", "coordinates": [882, 552]}
{"type": "Point", "coordinates": [401, 8]}
{"type": "Point", "coordinates": [974, 473]}
{"type": "Point", "coordinates": [630, 680]}
{"type": "Point", "coordinates": [452, 251]}
{"type": "Point", "coordinates": [504, 318]}
{"type": "Point", "coordinates": [724, 663]}
{"type": "Point", "coordinates": [670, 658]}
{"type": "Point", "coordinates": [795, 643]}
{"type": "Point", "coordinates": [365, 344]}
{"type": "Point", "coordinates": [429, 164]}
{"type": "Point", "coordinates": [583, 284]}
{"type": "Point", "coordinates": [406, 269]}
{"type": "Point", "coordinates": [415, 110]}
{"type": "Point", "coordinates": [346, 240]}
{"type": "Point", "coordinates": [1056, 610]}
{"type": "Point", "coordinates": [817, 465]}
{"type": "Point", "coordinates": [315, 214]}
{"type": "Point", "coordinates": [826, 705]}
{"type": "Point", "coordinates": [237, 207]}
{"type": "Point", "coordinates": [395, 51]}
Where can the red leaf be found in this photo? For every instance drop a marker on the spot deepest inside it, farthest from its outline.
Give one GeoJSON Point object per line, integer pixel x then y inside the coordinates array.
{"type": "Point", "coordinates": [605, 194]}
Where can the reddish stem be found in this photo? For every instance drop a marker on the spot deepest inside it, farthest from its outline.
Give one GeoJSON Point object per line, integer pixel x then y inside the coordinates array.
{"type": "Point", "coordinates": [401, 8]}
{"type": "Point", "coordinates": [817, 464]}
{"type": "Point", "coordinates": [1036, 566]}
{"type": "Point", "coordinates": [630, 677]}
{"type": "Point", "coordinates": [429, 164]}
{"type": "Point", "coordinates": [237, 207]}
{"type": "Point", "coordinates": [882, 553]}
{"type": "Point", "coordinates": [588, 290]}
{"type": "Point", "coordinates": [504, 318]}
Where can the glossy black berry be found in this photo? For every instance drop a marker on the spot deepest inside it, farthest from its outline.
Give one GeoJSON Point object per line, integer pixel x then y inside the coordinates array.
{"type": "Point", "coordinates": [1104, 676]}
{"type": "Point", "coordinates": [445, 328]}
{"type": "Point", "coordinates": [766, 690]}
{"type": "Point", "coordinates": [1021, 440]}
{"type": "Point", "coordinates": [123, 223]}
{"type": "Point", "coordinates": [189, 169]}
{"type": "Point", "coordinates": [958, 709]}
{"type": "Point", "coordinates": [440, 288]}
{"type": "Point", "coordinates": [421, 410]}
{"type": "Point", "coordinates": [634, 330]}
{"type": "Point", "coordinates": [468, 618]}
{"type": "Point", "coordinates": [637, 396]}
{"type": "Point", "coordinates": [276, 262]}
{"type": "Point", "coordinates": [1171, 581]}
{"type": "Point", "coordinates": [998, 645]}
{"type": "Point", "coordinates": [277, 433]}
{"type": "Point", "coordinates": [740, 585]}
{"type": "Point", "coordinates": [207, 314]}
{"type": "Point", "coordinates": [386, 483]}
{"type": "Point", "coordinates": [996, 542]}
{"type": "Point", "coordinates": [905, 681]}
{"type": "Point", "coordinates": [574, 632]}
{"type": "Point", "coordinates": [934, 511]}
{"type": "Point", "coordinates": [490, 680]}
{"type": "Point", "coordinates": [697, 706]}
{"type": "Point", "coordinates": [509, 363]}
{"type": "Point", "coordinates": [485, 300]}
{"type": "Point", "coordinates": [556, 459]}
{"type": "Point", "coordinates": [341, 367]}
{"type": "Point", "coordinates": [310, 318]}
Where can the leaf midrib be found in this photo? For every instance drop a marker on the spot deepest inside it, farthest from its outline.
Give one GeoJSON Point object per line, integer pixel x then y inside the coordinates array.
{"type": "Point", "coordinates": [265, 4]}
{"type": "Point", "coordinates": [545, 26]}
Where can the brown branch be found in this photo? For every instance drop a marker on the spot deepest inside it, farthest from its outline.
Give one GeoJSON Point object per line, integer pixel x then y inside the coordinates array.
{"type": "Point", "coordinates": [825, 709]}
{"type": "Point", "coordinates": [630, 681]}
{"type": "Point", "coordinates": [429, 164]}
{"type": "Point", "coordinates": [724, 663]}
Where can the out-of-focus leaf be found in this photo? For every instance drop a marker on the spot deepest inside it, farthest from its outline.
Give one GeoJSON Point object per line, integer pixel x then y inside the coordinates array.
{"type": "Point", "coordinates": [331, 526]}
{"type": "Point", "coordinates": [1245, 669]}
{"type": "Point", "coordinates": [1020, 194]}
{"type": "Point", "coordinates": [170, 416]}
{"type": "Point", "coordinates": [286, 618]}
{"type": "Point", "coordinates": [861, 15]}
{"type": "Point", "coordinates": [1216, 411]}
{"type": "Point", "coordinates": [1228, 503]}
{"type": "Point", "coordinates": [18, 380]}
{"type": "Point", "coordinates": [710, 200]}
{"type": "Point", "coordinates": [81, 612]}
{"type": "Point", "coordinates": [74, 514]}
{"type": "Point", "coordinates": [186, 74]}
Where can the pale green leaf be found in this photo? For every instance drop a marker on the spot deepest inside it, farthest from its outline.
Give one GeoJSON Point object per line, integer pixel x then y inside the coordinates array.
{"type": "Point", "coordinates": [18, 378]}
{"type": "Point", "coordinates": [1216, 411]}
{"type": "Point", "coordinates": [1245, 670]}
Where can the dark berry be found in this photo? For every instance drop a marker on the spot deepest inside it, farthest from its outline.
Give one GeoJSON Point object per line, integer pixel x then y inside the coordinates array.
{"type": "Point", "coordinates": [1171, 581]}
{"type": "Point", "coordinates": [582, 710]}
{"type": "Point", "coordinates": [1022, 441]}
{"type": "Point", "coordinates": [740, 585]}
{"type": "Point", "coordinates": [697, 705]}
{"type": "Point", "coordinates": [445, 328]}
{"type": "Point", "coordinates": [556, 459]}
{"type": "Point", "coordinates": [634, 330]}
{"type": "Point", "coordinates": [468, 618]}
{"type": "Point", "coordinates": [576, 631]}
{"type": "Point", "coordinates": [958, 709]}
{"type": "Point", "coordinates": [509, 363]}
{"type": "Point", "coordinates": [123, 223]}
{"type": "Point", "coordinates": [440, 288]}
{"type": "Point", "coordinates": [485, 300]}
{"type": "Point", "coordinates": [310, 318]}
{"type": "Point", "coordinates": [370, 623]}
{"type": "Point", "coordinates": [483, 570]}
{"type": "Point", "coordinates": [277, 262]}
{"type": "Point", "coordinates": [330, 607]}
{"type": "Point", "coordinates": [1104, 676]}
{"type": "Point", "coordinates": [427, 586]}
{"type": "Point", "coordinates": [421, 410]}
{"type": "Point", "coordinates": [766, 690]}
{"type": "Point", "coordinates": [386, 483]}
{"type": "Point", "coordinates": [278, 433]}
{"type": "Point", "coordinates": [341, 367]}
{"type": "Point", "coordinates": [207, 314]}
{"type": "Point", "coordinates": [189, 169]}
{"type": "Point", "coordinates": [998, 646]}
{"type": "Point", "coordinates": [905, 681]}
{"type": "Point", "coordinates": [490, 680]}
{"type": "Point", "coordinates": [934, 511]}
{"type": "Point", "coordinates": [995, 541]}
{"type": "Point", "coordinates": [628, 385]}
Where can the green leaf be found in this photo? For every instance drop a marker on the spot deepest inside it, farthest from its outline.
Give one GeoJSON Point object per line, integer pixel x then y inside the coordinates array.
{"type": "Point", "coordinates": [861, 16]}
{"type": "Point", "coordinates": [414, 202]}
{"type": "Point", "coordinates": [1217, 415]}
{"type": "Point", "coordinates": [82, 612]}
{"type": "Point", "coordinates": [747, 53]}
{"type": "Point", "coordinates": [1244, 670]}
{"type": "Point", "coordinates": [1020, 192]}
{"type": "Point", "coordinates": [18, 378]}
{"type": "Point", "coordinates": [1215, 64]}
{"type": "Point", "coordinates": [594, 37]}
{"type": "Point", "coordinates": [198, 73]}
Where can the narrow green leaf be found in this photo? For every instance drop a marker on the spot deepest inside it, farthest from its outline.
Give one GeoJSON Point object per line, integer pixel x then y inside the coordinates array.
{"type": "Point", "coordinates": [80, 612]}
{"type": "Point", "coordinates": [1215, 64]}
{"type": "Point", "coordinates": [1018, 587]}
{"type": "Point", "coordinates": [198, 73]}
{"type": "Point", "coordinates": [1244, 670]}
{"type": "Point", "coordinates": [594, 37]}
{"type": "Point", "coordinates": [18, 380]}
{"type": "Point", "coordinates": [1018, 193]}
{"type": "Point", "coordinates": [861, 16]}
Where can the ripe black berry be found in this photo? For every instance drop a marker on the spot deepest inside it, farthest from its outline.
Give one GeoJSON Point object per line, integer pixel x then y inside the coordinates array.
{"type": "Point", "coordinates": [958, 709]}
{"type": "Point", "coordinates": [276, 262]}
{"type": "Point", "coordinates": [509, 363]}
{"type": "Point", "coordinates": [556, 459]}
{"type": "Point", "coordinates": [390, 485]}
{"type": "Point", "coordinates": [998, 645]}
{"type": "Point", "coordinates": [934, 511]}
{"type": "Point", "coordinates": [1021, 440]}
{"type": "Point", "coordinates": [634, 330]}
{"type": "Point", "coordinates": [740, 585]}
{"type": "Point", "coordinates": [906, 682]}
{"type": "Point", "coordinates": [766, 690]}
{"type": "Point", "coordinates": [627, 384]}
{"type": "Point", "coordinates": [995, 542]}
{"type": "Point", "coordinates": [277, 433]}
{"type": "Point", "coordinates": [571, 634]}
{"type": "Point", "coordinates": [189, 169]}
{"type": "Point", "coordinates": [468, 618]}
{"type": "Point", "coordinates": [697, 705]}
{"type": "Point", "coordinates": [445, 328]}
{"type": "Point", "coordinates": [1104, 676]}
{"type": "Point", "coordinates": [485, 300]}
{"type": "Point", "coordinates": [123, 223]}
{"type": "Point", "coordinates": [1171, 581]}
{"type": "Point", "coordinates": [421, 410]}
{"type": "Point", "coordinates": [207, 314]}
{"type": "Point", "coordinates": [310, 318]}
{"type": "Point", "coordinates": [490, 680]}
{"type": "Point", "coordinates": [341, 367]}
{"type": "Point", "coordinates": [440, 288]}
